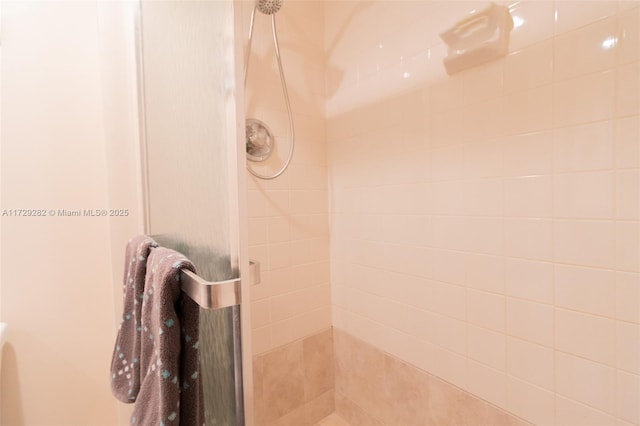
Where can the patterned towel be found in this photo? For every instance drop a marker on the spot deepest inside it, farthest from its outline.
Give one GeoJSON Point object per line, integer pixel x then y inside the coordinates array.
{"type": "Point", "coordinates": [170, 386]}
{"type": "Point", "coordinates": [125, 362]}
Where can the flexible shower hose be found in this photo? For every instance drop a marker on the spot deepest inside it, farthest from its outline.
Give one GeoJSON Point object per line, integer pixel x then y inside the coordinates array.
{"type": "Point", "coordinates": [284, 91]}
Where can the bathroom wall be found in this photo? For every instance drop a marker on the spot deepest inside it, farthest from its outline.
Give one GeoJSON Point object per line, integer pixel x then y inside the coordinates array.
{"type": "Point", "coordinates": [485, 226]}
{"type": "Point", "coordinates": [57, 283]}
{"type": "Point", "coordinates": [117, 44]}
{"type": "Point", "coordinates": [288, 216]}
{"type": "Point", "coordinates": [294, 383]}
{"type": "Point", "coordinates": [120, 116]}
{"type": "Point", "coordinates": [374, 388]}
{"type": "Point", "coordinates": [69, 124]}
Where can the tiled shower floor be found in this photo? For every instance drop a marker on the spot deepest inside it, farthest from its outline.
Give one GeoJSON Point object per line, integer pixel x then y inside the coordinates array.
{"type": "Point", "coordinates": [333, 420]}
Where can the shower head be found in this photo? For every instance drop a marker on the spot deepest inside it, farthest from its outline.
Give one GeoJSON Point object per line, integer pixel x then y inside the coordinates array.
{"type": "Point", "coordinates": [269, 7]}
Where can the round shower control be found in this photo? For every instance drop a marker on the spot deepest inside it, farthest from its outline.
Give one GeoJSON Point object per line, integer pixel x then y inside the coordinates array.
{"type": "Point", "coordinates": [259, 140]}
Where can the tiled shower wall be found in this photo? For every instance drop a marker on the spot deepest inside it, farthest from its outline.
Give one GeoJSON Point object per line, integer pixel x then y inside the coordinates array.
{"type": "Point", "coordinates": [288, 223]}
{"type": "Point", "coordinates": [485, 226]}
{"type": "Point", "coordinates": [294, 384]}
{"type": "Point", "coordinates": [373, 388]}
{"type": "Point", "coordinates": [288, 216]}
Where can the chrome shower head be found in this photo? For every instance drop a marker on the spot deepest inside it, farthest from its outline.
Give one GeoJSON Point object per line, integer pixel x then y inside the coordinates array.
{"type": "Point", "coordinates": [269, 7]}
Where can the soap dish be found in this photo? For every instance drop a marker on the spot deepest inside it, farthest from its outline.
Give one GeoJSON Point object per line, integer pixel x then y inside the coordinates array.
{"type": "Point", "coordinates": [479, 38]}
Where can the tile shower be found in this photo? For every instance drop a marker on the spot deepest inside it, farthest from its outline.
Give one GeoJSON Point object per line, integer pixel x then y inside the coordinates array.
{"type": "Point", "coordinates": [449, 249]}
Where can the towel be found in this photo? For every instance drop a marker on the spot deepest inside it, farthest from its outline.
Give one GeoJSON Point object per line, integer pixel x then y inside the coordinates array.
{"type": "Point", "coordinates": [170, 384]}
{"type": "Point", "coordinates": [125, 362]}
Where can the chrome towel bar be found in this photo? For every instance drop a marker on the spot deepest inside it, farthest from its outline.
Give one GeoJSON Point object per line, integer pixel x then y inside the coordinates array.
{"type": "Point", "coordinates": [211, 295]}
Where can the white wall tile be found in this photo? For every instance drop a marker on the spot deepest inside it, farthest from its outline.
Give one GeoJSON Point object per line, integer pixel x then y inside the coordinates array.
{"type": "Point", "coordinates": [528, 238]}
{"type": "Point", "coordinates": [530, 280]}
{"type": "Point", "coordinates": [528, 196]}
{"type": "Point", "coordinates": [281, 281]}
{"type": "Point", "coordinates": [485, 272]}
{"type": "Point", "coordinates": [537, 22]}
{"type": "Point", "coordinates": [530, 362]}
{"type": "Point", "coordinates": [255, 203]}
{"type": "Point", "coordinates": [486, 83]}
{"type": "Point", "coordinates": [486, 347]}
{"type": "Point", "coordinates": [446, 94]}
{"type": "Point", "coordinates": [628, 347]}
{"type": "Point", "coordinates": [448, 267]}
{"type": "Point", "coordinates": [587, 195]}
{"type": "Point", "coordinates": [278, 229]}
{"type": "Point", "coordinates": [448, 299]}
{"type": "Point", "coordinates": [585, 289]}
{"type": "Point", "coordinates": [629, 31]}
{"type": "Point", "coordinates": [585, 381]}
{"type": "Point", "coordinates": [584, 147]}
{"type": "Point", "coordinates": [532, 403]}
{"type": "Point", "coordinates": [628, 194]}
{"type": "Point", "coordinates": [440, 330]}
{"type": "Point", "coordinates": [528, 68]}
{"type": "Point", "coordinates": [584, 99]}
{"type": "Point", "coordinates": [588, 243]}
{"type": "Point", "coordinates": [467, 197]}
{"type": "Point", "coordinates": [528, 111]}
{"type": "Point", "coordinates": [628, 296]}
{"type": "Point", "coordinates": [483, 235]}
{"type": "Point", "coordinates": [445, 127]}
{"type": "Point", "coordinates": [449, 366]}
{"type": "Point", "coordinates": [572, 412]}
{"type": "Point", "coordinates": [447, 333]}
{"type": "Point", "coordinates": [628, 392]}
{"type": "Point", "coordinates": [257, 231]}
{"type": "Point", "coordinates": [588, 49]}
{"type": "Point", "coordinates": [628, 142]}
{"type": "Point", "coordinates": [448, 161]}
{"type": "Point", "coordinates": [624, 5]}
{"type": "Point", "coordinates": [279, 255]}
{"type": "Point", "coordinates": [530, 154]}
{"type": "Point", "coordinates": [485, 309]}
{"type": "Point", "coordinates": [570, 15]}
{"type": "Point", "coordinates": [530, 321]}
{"type": "Point", "coordinates": [483, 155]}
{"type": "Point", "coordinates": [277, 202]}
{"type": "Point", "coordinates": [585, 335]}
{"type": "Point", "coordinates": [628, 246]}
{"type": "Point", "coordinates": [260, 313]}
{"type": "Point", "coordinates": [299, 302]}
{"type": "Point", "coordinates": [487, 383]}
{"type": "Point", "coordinates": [261, 339]}
{"type": "Point", "coordinates": [302, 326]}
{"type": "Point", "coordinates": [628, 99]}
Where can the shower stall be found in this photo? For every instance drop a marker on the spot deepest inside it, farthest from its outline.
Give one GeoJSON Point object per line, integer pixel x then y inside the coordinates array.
{"type": "Point", "coordinates": [473, 237]}
{"type": "Point", "coordinates": [440, 249]}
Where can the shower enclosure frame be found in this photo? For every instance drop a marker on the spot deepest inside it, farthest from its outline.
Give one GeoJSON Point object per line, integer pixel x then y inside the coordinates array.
{"type": "Point", "coordinates": [237, 212]}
